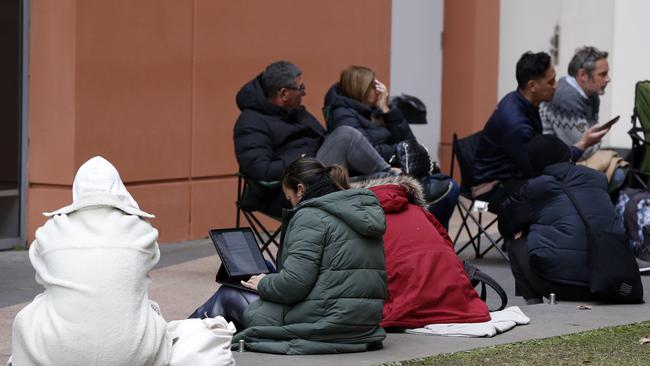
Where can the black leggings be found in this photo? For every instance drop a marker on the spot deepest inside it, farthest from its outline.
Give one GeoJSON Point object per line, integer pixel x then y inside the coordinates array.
{"type": "Point", "coordinates": [529, 285]}
{"type": "Point", "coordinates": [501, 192]}
{"type": "Point", "coordinates": [228, 302]}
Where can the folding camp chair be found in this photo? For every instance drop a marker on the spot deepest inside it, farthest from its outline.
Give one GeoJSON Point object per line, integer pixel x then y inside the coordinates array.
{"type": "Point", "coordinates": [465, 151]}
{"type": "Point", "coordinates": [249, 209]}
{"type": "Point", "coordinates": [640, 134]}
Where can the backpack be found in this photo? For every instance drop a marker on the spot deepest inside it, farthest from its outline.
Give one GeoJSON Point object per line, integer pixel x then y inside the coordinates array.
{"type": "Point", "coordinates": [477, 277]}
{"type": "Point", "coordinates": [613, 271]}
{"type": "Point", "coordinates": [633, 212]}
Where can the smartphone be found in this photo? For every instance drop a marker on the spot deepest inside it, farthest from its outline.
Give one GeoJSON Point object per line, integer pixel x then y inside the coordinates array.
{"type": "Point", "coordinates": [609, 123]}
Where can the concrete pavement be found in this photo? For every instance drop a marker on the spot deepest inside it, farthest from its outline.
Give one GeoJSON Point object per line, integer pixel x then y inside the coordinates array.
{"type": "Point", "coordinates": [184, 279]}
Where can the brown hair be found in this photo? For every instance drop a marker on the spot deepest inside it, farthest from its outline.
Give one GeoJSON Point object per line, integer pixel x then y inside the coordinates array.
{"type": "Point", "coordinates": [308, 171]}
{"type": "Point", "coordinates": [356, 81]}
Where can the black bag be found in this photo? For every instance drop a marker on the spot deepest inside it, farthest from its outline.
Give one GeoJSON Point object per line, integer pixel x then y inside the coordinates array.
{"type": "Point", "coordinates": [613, 271]}
{"type": "Point", "coordinates": [413, 158]}
{"type": "Point", "coordinates": [477, 277]}
{"type": "Point", "coordinates": [413, 109]}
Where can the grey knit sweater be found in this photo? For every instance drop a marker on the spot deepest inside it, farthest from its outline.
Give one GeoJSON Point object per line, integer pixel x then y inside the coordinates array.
{"type": "Point", "coordinates": [569, 115]}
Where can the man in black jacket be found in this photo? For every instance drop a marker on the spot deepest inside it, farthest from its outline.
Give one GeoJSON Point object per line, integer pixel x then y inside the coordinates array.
{"type": "Point", "coordinates": [274, 129]}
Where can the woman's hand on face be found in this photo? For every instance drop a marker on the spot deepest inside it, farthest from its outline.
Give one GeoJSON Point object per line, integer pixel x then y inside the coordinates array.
{"type": "Point", "coordinates": [382, 96]}
{"type": "Point", "coordinates": [253, 281]}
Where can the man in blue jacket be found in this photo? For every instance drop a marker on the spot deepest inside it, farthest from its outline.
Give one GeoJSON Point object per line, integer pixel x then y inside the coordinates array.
{"type": "Point", "coordinates": [501, 164]}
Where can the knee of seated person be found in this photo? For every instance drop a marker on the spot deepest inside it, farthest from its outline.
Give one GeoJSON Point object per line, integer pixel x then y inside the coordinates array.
{"type": "Point", "coordinates": [346, 132]}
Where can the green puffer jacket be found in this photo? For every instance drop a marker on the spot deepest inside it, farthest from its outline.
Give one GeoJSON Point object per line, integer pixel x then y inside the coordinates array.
{"type": "Point", "coordinates": [328, 294]}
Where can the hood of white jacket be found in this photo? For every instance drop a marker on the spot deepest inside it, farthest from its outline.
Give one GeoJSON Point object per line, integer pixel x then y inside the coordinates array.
{"type": "Point", "coordinates": [98, 183]}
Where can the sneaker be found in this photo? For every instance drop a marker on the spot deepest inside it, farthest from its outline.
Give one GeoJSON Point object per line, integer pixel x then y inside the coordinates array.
{"type": "Point", "coordinates": [534, 301]}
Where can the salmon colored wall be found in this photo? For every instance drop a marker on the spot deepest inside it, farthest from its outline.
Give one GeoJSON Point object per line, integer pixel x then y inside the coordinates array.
{"type": "Point", "coordinates": [151, 84]}
{"type": "Point", "coordinates": [47, 199]}
{"type": "Point", "coordinates": [469, 69]}
{"type": "Point", "coordinates": [51, 93]}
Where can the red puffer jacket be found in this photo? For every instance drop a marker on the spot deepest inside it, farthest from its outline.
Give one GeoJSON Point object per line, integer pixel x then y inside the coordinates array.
{"type": "Point", "coordinates": [426, 280]}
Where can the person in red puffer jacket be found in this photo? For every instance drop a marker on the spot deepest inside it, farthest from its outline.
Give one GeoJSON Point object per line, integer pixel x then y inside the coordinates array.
{"type": "Point", "coordinates": [426, 280]}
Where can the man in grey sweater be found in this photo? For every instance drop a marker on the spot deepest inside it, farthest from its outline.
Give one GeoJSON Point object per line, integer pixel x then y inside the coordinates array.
{"type": "Point", "coordinates": [575, 104]}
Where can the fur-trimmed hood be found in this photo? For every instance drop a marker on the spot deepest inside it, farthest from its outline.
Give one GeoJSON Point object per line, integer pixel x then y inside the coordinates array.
{"type": "Point", "coordinates": [388, 188]}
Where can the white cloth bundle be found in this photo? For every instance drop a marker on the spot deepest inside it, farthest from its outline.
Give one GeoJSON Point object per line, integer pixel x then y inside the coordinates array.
{"type": "Point", "coordinates": [502, 321]}
{"type": "Point", "coordinates": [201, 342]}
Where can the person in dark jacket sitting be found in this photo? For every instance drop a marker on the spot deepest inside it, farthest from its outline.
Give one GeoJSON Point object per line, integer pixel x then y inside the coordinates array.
{"type": "Point", "coordinates": [501, 163]}
{"type": "Point", "coordinates": [360, 101]}
{"type": "Point", "coordinates": [274, 129]}
{"type": "Point", "coordinates": [550, 252]}
{"type": "Point", "coordinates": [328, 293]}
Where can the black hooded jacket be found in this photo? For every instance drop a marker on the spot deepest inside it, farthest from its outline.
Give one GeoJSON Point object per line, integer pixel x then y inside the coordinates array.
{"type": "Point", "coordinates": [557, 238]}
{"type": "Point", "coordinates": [268, 138]}
{"type": "Point", "coordinates": [344, 111]}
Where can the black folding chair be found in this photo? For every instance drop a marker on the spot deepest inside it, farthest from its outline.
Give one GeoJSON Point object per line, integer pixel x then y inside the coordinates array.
{"type": "Point", "coordinates": [465, 151]}
{"type": "Point", "coordinates": [640, 134]}
{"type": "Point", "coordinates": [247, 207]}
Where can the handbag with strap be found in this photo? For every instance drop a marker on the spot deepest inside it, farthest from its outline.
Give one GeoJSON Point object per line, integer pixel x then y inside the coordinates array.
{"type": "Point", "coordinates": [613, 271]}
{"type": "Point", "coordinates": [413, 158]}
{"type": "Point", "coordinates": [476, 277]}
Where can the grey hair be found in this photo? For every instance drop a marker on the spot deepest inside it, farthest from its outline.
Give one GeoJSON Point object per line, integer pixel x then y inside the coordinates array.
{"type": "Point", "coordinates": [278, 75]}
{"type": "Point", "coordinates": [585, 58]}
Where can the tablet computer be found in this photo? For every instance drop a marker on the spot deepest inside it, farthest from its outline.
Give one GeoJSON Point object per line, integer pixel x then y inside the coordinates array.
{"type": "Point", "coordinates": [240, 255]}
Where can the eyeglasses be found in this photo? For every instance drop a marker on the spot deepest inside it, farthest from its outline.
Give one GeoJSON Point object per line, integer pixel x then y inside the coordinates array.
{"type": "Point", "coordinates": [300, 88]}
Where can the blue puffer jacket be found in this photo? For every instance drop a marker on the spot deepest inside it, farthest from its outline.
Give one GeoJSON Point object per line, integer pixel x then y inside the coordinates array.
{"type": "Point", "coordinates": [557, 238]}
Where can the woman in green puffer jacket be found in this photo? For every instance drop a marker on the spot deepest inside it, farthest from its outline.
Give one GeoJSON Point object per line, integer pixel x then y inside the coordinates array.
{"type": "Point", "coordinates": [328, 293]}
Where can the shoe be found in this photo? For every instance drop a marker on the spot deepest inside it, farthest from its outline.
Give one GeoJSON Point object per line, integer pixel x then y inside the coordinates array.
{"type": "Point", "coordinates": [534, 301]}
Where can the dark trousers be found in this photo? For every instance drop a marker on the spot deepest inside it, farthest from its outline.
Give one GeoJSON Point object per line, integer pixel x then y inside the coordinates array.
{"type": "Point", "coordinates": [444, 207]}
{"type": "Point", "coordinates": [500, 193]}
{"type": "Point", "coordinates": [228, 302]}
{"type": "Point", "coordinates": [530, 286]}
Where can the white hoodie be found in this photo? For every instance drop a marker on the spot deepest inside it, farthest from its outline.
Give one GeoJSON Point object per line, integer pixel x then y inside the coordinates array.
{"type": "Point", "coordinates": [93, 257]}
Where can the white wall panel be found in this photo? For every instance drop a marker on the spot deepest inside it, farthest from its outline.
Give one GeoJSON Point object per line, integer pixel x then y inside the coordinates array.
{"type": "Point", "coordinates": [416, 61]}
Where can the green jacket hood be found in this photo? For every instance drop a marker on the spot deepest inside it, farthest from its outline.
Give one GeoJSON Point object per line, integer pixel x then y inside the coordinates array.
{"type": "Point", "coordinates": [359, 208]}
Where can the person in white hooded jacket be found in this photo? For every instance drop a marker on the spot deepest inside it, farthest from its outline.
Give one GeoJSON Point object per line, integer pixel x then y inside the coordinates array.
{"type": "Point", "coordinates": [93, 257]}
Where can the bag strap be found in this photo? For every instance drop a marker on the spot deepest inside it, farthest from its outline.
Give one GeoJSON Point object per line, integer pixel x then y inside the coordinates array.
{"type": "Point", "coordinates": [476, 276]}
{"type": "Point", "coordinates": [574, 201]}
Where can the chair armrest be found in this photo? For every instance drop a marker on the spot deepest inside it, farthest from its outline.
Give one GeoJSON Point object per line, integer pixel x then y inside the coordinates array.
{"type": "Point", "coordinates": [262, 183]}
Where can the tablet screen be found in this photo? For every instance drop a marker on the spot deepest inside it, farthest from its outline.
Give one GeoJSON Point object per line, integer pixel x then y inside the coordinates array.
{"type": "Point", "coordinates": [239, 252]}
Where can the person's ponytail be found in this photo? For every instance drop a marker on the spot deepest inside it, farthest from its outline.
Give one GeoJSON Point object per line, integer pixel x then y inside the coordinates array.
{"type": "Point", "coordinates": [339, 176]}
{"type": "Point", "coordinates": [309, 171]}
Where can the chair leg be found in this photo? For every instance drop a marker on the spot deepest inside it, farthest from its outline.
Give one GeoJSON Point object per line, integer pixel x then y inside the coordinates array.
{"type": "Point", "coordinates": [256, 226]}
{"type": "Point", "coordinates": [465, 213]}
{"type": "Point", "coordinates": [475, 239]}
{"type": "Point", "coordinates": [239, 198]}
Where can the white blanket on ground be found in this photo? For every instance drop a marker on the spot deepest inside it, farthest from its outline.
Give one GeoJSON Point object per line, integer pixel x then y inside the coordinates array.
{"type": "Point", "coordinates": [502, 321]}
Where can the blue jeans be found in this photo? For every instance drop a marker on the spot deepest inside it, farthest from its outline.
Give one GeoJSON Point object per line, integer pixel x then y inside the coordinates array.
{"type": "Point", "coordinates": [444, 208]}
{"type": "Point", "coordinates": [348, 147]}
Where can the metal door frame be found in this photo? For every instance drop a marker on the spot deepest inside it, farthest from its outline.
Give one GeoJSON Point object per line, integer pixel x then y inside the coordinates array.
{"type": "Point", "coordinates": [6, 243]}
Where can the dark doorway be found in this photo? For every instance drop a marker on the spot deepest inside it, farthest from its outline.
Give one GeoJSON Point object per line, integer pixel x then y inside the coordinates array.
{"type": "Point", "coordinates": [11, 124]}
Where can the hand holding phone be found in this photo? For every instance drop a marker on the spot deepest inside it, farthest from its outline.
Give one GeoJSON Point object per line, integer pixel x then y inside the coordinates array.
{"type": "Point", "coordinates": [608, 124]}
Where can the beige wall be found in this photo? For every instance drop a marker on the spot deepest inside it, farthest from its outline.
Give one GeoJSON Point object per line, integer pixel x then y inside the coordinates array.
{"type": "Point", "coordinates": [469, 69]}
{"type": "Point", "coordinates": [150, 85]}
